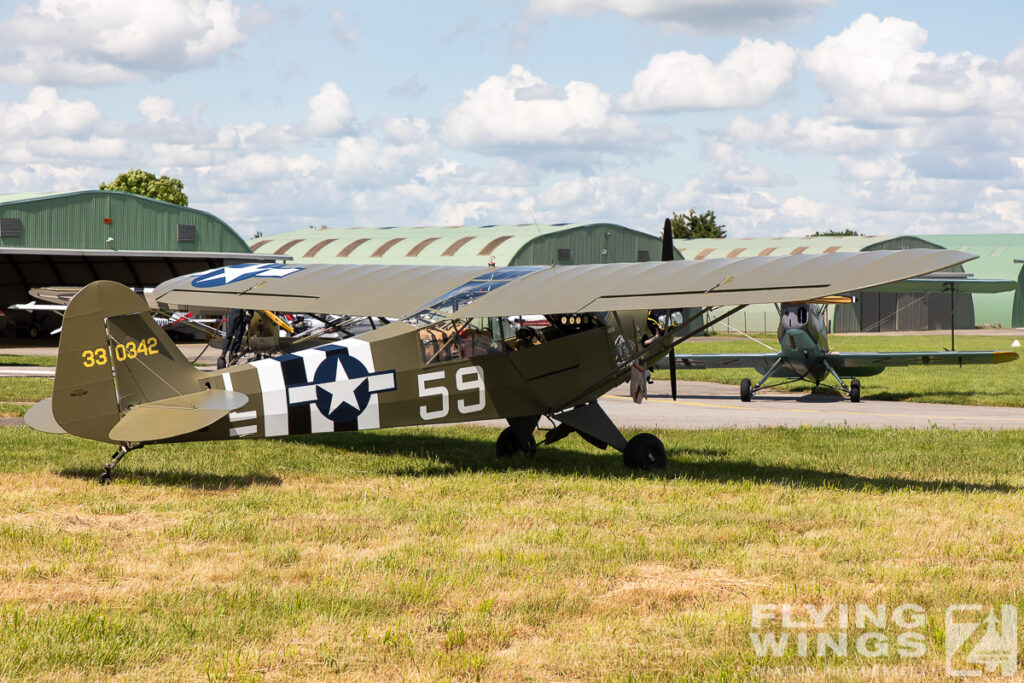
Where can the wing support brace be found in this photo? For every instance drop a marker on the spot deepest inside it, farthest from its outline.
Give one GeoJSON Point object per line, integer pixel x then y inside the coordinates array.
{"type": "Point", "coordinates": [768, 375]}
{"type": "Point", "coordinates": [671, 337]}
{"type": "Point", "coordinates": [831, 371]}
{"type": "Point", "coordinates": [592, 423]}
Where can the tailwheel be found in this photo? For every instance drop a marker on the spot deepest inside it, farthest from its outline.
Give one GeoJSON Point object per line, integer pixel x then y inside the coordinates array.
{"type": "Point", "coordinates": [855, 391]}
{"type": "Point", "coordinates": [122, 451]}
{"type": "Point", "coordinates": [745, 391]}
{"type": "Point", "coordinates": [644, 452]}
{"type": "Point", "coordinates": [508, 445]}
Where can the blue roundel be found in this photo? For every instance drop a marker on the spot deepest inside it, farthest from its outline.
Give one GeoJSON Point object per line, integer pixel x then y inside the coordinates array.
{"type": "Point", "coordinates": [342, 390]}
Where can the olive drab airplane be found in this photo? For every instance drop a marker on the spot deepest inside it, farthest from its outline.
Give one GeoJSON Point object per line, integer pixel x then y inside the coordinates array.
{"type": "Point", "coordinates": [804, 353]}
{"type": "Point", "coordinates": [452, 353]}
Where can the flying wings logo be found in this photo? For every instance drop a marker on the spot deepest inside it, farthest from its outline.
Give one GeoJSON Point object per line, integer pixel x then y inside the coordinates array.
{"type": "Point", "coordinates": [228, 274]}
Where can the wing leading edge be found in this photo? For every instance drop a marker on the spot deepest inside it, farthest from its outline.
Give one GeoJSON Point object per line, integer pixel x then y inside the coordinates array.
{"type": "Point", "coordinates": [398, 291]}
{"type": "Point", "coordinates": [854, 361]}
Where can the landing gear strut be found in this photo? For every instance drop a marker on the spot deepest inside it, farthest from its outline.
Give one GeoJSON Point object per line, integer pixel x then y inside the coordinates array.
{"type": "Point", "coordinates": [122, 451]}
{"type": "Point", "coordinates": [642, 452]}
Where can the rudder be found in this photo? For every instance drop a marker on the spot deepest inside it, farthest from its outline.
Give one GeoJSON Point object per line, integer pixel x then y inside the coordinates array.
{"type": "Point", "coordinates": [113, 356]}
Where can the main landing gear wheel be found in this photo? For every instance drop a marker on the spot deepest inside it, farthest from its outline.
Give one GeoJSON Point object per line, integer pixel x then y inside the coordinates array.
{"type": "Point", "coordinates": [855, 391]}
{"type": "Point", "coordinates": [644, 452]}
{"type": "Point", "coordinates": [508, 446]}
{"type": "Point", "coordinates": [745, 392]}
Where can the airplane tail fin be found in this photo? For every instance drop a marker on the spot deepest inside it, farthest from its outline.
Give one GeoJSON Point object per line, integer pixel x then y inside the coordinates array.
{"type": "Point", "coordinates": [112, 356]}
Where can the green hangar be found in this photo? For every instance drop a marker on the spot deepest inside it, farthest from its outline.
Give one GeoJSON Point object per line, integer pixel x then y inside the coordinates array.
{"type": "Point", "coordinates": [508, 245]}
{"type": "Point", "coordinates": [73, 238]}
{"type": "Point", "coordinates": [577, 243]}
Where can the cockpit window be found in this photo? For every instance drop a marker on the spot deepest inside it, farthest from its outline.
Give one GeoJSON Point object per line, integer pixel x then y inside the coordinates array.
{"type": "Point", "coordinates": [449, 303]}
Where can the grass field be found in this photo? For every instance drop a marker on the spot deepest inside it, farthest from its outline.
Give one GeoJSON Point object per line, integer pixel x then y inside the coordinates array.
{"type": "Point", "coordinates": [38, 361]}
{"type": "Point", "coordinates": [990, 385]}
{"type": "Point", "coordinates": [414, 554]}
{"type": "Point", "coordinates": [17, 394]}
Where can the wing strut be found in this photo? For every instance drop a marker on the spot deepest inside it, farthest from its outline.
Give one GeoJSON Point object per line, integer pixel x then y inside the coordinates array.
{"type": "Point", "coordinates": [672, 336]}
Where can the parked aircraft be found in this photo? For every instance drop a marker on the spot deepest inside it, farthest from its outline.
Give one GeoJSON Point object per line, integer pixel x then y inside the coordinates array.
{"type": "Point", "coordinates": [804, 354]}
{"type": "Point", "coordinates": [451, 355]}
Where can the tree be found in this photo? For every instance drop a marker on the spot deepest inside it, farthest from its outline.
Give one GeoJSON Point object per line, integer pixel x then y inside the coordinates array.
{"type": "Point", "coordinates": [145, 183]}
{"type": "Point", "coordinates": [836, 233]}
{"type": "Point", "coordinates": [691, 226]}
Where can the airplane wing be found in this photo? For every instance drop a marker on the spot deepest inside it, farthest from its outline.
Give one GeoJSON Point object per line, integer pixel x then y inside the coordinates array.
{"type": "Point", "coordinates": [859, 361]}
{"type": "Point", "coordinates": [759, 361]}
{"type": "Point", "coordinates": [400, 291]}
{"type": "Point", "coordinates": [961, 285]}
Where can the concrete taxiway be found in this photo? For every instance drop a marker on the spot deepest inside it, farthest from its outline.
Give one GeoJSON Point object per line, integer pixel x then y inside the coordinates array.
{"type": "Point", "coordinates": [702, 405]}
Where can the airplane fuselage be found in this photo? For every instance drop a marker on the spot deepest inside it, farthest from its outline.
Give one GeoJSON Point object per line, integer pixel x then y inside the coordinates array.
{"type": "Point", "coordinates": [397, 376]}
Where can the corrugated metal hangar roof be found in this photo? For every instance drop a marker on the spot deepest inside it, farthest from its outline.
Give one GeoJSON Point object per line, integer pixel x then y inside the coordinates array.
{"type": "Point", "coordinates": [73, 238]}
{"type": "Point", "coordinates": [782, 246]}
{"type": "Point", "coordinates": [566, 243]}
{"type": "Point", "coordinates": [88, 219]}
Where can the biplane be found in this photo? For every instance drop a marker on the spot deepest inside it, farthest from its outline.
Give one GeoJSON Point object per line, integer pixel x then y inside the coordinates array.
{"type": "Point", "coordinates": [452, 352]}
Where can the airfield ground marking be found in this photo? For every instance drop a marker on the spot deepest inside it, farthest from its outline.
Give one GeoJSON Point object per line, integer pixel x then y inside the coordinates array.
{"type": "Point", "coordinates": [828, 412]}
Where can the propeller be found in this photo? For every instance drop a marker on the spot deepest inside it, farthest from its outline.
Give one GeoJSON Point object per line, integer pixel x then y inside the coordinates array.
{"type": "Point", "coordinates": [668, 254]}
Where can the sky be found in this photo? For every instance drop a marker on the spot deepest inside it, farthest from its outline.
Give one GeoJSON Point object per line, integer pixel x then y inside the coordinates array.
{"type": "Point", "coordinates": [784, 117]}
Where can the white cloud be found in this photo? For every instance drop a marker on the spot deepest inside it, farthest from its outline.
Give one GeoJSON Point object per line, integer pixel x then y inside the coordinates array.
{"type": "Point", "coordinates": [365, 161]}
{"type": "Point", "coordinates": [802, 208]}
{"type": "Point", "coordinates": [877, 69]}
{"type": "Point", "coordinates": [696, 15]}
{"type": "Point", "coordinates": [155, 109]}
{"type": "Point", "coordinates": [826, 135]}
{"type": "Point", "coordinates": [45, 113]}
{"type": "Point", "coordinates": [405, 129]}
{"type": "Point", "coordinates": [493, 116]}
{"type": "Point", "coordinates": [330, 111]}
{"type": "Point", "coordinates": [749, 76]}
{"type": "Point", "coordinates": [87, 43]}
{"type": "Point", "coordinates": [343, 30]}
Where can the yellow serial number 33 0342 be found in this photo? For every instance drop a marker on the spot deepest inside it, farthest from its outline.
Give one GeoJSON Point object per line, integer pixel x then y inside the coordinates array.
{"type": "Point", "coordinates": [122, 352]}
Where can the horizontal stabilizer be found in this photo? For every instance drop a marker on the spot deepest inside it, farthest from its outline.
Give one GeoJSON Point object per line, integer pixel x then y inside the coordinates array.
{"type": "Point", "coordinates": [40, 417]}
{"type": "Point", "coordinates": [175, 416]}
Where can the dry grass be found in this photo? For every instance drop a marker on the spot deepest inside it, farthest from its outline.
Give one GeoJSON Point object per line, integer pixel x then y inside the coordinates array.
{"type": "Point", "coordinates": [415, 555]}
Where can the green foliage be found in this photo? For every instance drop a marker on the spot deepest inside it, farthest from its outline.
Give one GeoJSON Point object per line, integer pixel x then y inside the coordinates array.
{"type": "Point", "coordinates": [692, 226]}
{"type": "Point", "coordinates": [145, 183]}
{"type": "Point", "coordinates": [836, 233]}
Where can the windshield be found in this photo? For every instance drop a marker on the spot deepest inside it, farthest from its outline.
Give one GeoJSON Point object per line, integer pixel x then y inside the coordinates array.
{"type": "Point", "coordinates": [446, 305]}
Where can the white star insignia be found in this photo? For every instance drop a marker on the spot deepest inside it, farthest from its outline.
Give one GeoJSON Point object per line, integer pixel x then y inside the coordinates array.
{"type": "Point", "coordinates": [342, 389]}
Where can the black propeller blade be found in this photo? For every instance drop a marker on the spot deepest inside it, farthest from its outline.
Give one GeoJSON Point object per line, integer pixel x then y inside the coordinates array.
{"type": "Point", "coordinates": [668, 254]}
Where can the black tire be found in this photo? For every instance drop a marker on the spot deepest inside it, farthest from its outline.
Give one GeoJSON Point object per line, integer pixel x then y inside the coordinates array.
{"type": "Point", "coordinates": [644, 452]}
{"type": "Point", "coordinates": [508, 446]}
{"type": "Point", "coordinates": [855, 391]}
{"type": "Point", "coordinates": [745, 392]}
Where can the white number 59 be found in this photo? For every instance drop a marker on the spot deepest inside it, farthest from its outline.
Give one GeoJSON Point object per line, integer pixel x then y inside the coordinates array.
{"type": "Point", "coordinates": [469, 378]}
